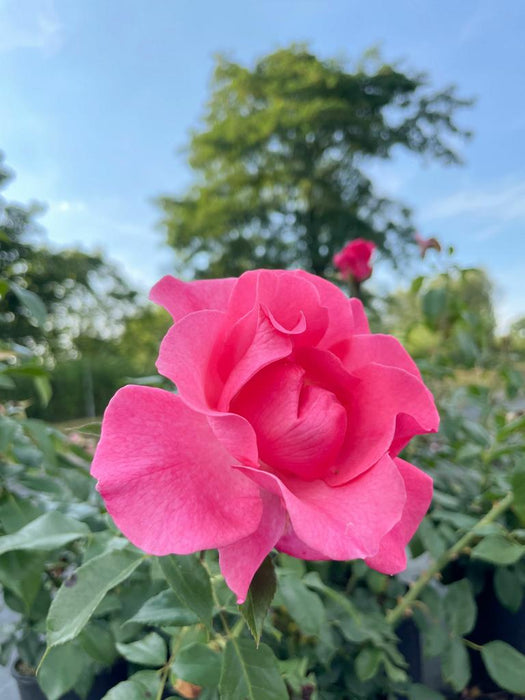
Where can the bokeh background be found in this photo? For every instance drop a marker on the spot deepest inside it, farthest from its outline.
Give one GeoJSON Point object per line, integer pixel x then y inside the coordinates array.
{"type": "Point", "coordinates": [99, 98]}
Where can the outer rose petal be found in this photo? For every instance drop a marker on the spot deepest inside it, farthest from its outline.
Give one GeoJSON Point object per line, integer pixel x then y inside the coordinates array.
{"type": "Point", "coordinates": [186, 355]}
{"type": "Point", "coordinates": [385, 401]}
{"type": "Point", "coordinates": [182, 298]}
{"type": "Point", "coordinates": [239, 561]}
{"type": "Point", "coordinates": [346, 522]}
{"type": "Point", "coordinates": [166, 480]}
{"type": "Point", "coordinates": [391, 558]}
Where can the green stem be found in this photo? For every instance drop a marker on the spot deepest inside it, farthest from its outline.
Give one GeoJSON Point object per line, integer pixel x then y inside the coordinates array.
{"type": "Point", "coordinates": [166, 668]}
{"type": "Point", "coordinates": [395, 615]}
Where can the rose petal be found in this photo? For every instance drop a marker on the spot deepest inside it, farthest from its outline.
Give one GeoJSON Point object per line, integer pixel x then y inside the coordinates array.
{"type": "Point", "coordinates": [289, 301]}
{"type": "Point", "coordinates": [182, 298]}
{"type": "Point", "coordinates": [255, 336]}
{"type": "Point", "coordinates": [376, 415]}
{"type": "Point", "coordinates": [167, 481]}
{"type": "Point", "coordinates": [360, 319]}
{"type": "Point", "coordinates": [342, 523]}
{"type": "Point", "coordinates": [300, 428]}
{"type": "Point", "coordinates": [391, 557]}
{"type": "Point", "coordinates": [340, 315]}
{"type": "Point", "coordinates": [239, 561]}
{"type": "Point", "coordinates": [187, 357]}
{"type": "Point", "coordinates": [381, 349]}
{"type": "Point", "coordinates": [292, 545]}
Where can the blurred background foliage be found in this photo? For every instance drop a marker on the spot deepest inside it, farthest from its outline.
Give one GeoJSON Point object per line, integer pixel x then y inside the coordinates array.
{"type": "Point", "coordinates": [279, 182]}
{"type": "Point", "coordinates": [280, 161]}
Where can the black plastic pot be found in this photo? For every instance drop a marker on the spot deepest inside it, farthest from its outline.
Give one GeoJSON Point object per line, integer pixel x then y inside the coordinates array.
{"type": "Point", "coordinates": [30, 690]}
{"type": "Point", "coordinates": [27, 685]}
{"type": "Point", "coordinates": [494, 622]}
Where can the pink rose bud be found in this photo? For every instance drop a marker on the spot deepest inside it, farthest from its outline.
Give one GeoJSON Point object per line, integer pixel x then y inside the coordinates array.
{"type": "Point", "coordinates": [354, 260]}
{"type": "Point", "coordinates": [285, 432]}
{"type": "Point", "coordinates": [426, 243]}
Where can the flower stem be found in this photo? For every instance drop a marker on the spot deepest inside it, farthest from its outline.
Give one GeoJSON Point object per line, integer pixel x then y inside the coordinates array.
{"type": "Point", "coordinates": [395, 615]}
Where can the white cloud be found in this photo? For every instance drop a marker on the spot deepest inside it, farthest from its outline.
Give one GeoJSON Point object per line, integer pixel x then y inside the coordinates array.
{"type": "Point", "coordinates": [478, 23]}
{"type": "Point", "coordinates": [66, 206]}
{"type": "Point", "coordinates": [29, 24]}
{"type": "Point", "coordinates": [496, 204]}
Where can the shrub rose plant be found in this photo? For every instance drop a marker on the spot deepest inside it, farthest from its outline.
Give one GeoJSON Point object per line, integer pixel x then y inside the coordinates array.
{"type": "Point", "coordinates": [285, 431]}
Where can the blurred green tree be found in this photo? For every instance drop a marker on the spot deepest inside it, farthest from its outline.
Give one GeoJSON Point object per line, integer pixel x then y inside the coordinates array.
{"type": "Point", "coordinates": [280, 163]}
{"type": "Point", "coordinates": [83, 295]}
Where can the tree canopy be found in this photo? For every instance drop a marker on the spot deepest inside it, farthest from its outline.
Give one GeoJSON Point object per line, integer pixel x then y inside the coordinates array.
{"type": "Point", "coordinates": [280, 162]}
{"type": "Point", "coordinates": [83, 295]}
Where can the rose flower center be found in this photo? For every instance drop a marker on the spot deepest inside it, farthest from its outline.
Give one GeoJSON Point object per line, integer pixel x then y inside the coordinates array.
{"type": "Point", "coordinates": [300, 426]}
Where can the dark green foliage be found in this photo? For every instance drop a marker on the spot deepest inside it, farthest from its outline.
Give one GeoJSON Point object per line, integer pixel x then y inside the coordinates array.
{"type": "Point", "coordinates": [279, 163]}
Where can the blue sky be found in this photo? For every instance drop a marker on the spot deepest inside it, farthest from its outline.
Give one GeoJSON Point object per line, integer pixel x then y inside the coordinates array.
{"type": "Point", "coordinates": [97, 99]}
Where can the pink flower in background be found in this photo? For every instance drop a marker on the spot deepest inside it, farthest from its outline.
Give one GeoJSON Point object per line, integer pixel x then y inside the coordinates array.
{"type": "Point", "coordinates": [285, 432]}
{"type": "Point", "coordinates": [426, 243]}
{"type": "Point", "coordinates": [353, 261]}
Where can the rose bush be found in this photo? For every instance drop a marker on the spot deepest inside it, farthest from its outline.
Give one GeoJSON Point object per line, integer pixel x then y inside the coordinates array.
{"type": "Point", "coordinates": [285, 432]}
{"type": "Point", "coordinates": [353, 261]}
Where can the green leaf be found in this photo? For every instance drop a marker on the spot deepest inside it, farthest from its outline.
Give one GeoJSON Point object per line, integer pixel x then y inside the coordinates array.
{"type": "Point", "coordinates": [434, 303]}
{"type": "Point", "coordinates": [367, 663]}
{"type": "Point", "coordinates": [80, 595]}
{"type": "Point", "coordinates": [61, 669]}
{"type": "Point", "coordinates": [191, 584]}
{"type": "Point", "coordinates": [508, 588]}
{"type": "Point", "coordinates": [435, 639]}
{"type": "Point", "coordinates": [421, 692]}
{"type": "Point", "coordinates": [431, 538]}
{"type": "Point", "coordinates": [498, 550]}
{"type": "Point", "coordinates": [32, 302]}
{"type": "Point", "coordinates": [460, 608]}
{"type": "Point", "coordinates": [21, 573]}
{"type": "Point", "coordinates": [41, 436]}
{"type": "Point", "coordinates": [198, 664]}
{"type": "Point", "coordinates": [128, 690]}
{"type": "Point", "coordinates": [8, 428]}
{"type": "Point", "coordinates": [15, 512]}
{"type": "Point", "coordinates": [396, 674]}
{"type": "Point", "coordinates": [47, 532]}
{"type": "Point", "coordinates": [249, 673]}
{"type": "Point", "coordinates": [149, 680]}
{"type": "Point", "coordinates": [304, 605]}
{"type": "Point", "coordinates": [505, 665]}
{"type": "Point", "coordinates": [44, 390]}
{"type": "Point", "coordinates": [98, 641]}
{"type": "Point", "coordinates": [151, 650]}
{"type": "Point", "coordinates": [313, 580]}
{"type": "Point", "coordinates": [455, 665]}
{"type": "Point", "coordinates": [259, 598]}
{"type": "Point", "coordinates": [92, 429]}
{"type": "Point", "coordinates": [518, 489]}
{"type": "Point", "coordinates": [6, 382]}
{"type": "Point", "coordinates": [164, 609]}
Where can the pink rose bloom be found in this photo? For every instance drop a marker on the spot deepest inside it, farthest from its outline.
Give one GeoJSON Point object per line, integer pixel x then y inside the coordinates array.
{"type": "Point", "coordinates": [354, 260]}
{"type": "Point", "coordinates": [426, 243]}
{"type": "Point", "coordinates": [285, 431]}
